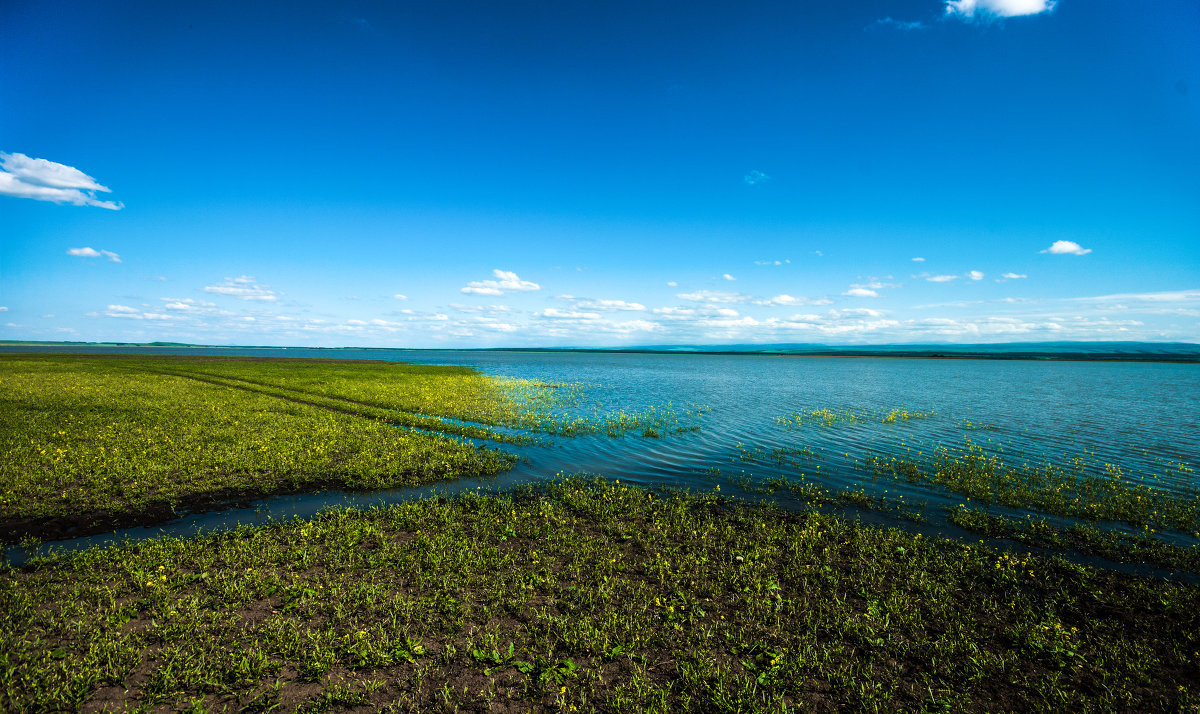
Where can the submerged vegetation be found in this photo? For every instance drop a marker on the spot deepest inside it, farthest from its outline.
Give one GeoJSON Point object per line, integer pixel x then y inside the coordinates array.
{"type": "Point", "coordinates": [1081, 490]}
{"type": "Point", "coordinates": [588, 596]}
{"type": "Point", "coordinates": [839, 417]}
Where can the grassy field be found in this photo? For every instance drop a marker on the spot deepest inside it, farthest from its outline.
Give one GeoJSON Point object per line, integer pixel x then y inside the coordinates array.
{"type": "Point", "coordinates": [584, 595]}
{"type": "Point", "coordinates": [588, 596]}
{"type": "Point", "coordinates": [106, 440]}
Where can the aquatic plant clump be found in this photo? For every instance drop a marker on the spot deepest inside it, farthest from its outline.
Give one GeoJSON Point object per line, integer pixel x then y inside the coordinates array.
{"type": "Point", "coordinates": [588, 596]}
{"type": "Point", "coordinates": [826, 417]}
{"type": "Point", "coordinates": [1079, 491]}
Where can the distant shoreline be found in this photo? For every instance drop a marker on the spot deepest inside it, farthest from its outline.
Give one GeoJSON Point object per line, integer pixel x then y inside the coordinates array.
{"type": "Point", "coordinates": [1174, 352]}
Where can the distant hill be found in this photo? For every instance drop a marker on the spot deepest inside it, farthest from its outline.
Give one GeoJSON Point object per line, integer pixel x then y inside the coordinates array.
{"type": "Point", "coordinates": [1148, 351]}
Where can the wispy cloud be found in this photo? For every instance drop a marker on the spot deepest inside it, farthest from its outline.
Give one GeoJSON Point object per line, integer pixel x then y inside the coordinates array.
{"type": "Point", "coordinates": [610, 305]}
{"type": "Point", "coordinates": [903, 25]}
{"type": "Point", "coordinates": [569, 314]}
{"type": "Point", "coordinates": [754, 178]}
{"type": "Point", "coordinates": [975, 275]}
{"type": "Point", "coordinates": [133, 313]}
{"type": "Point", "coordinates": [727, 276]}
{"type": "Point", "coordinates": [42, 180]}
{"type": "Point", "coordinates": [189, 305]}
{"type": "Point", "coordinates": [93, 253]}
{"type": "Point", "coordinates": [789, 300]}
{"type": "Point", "coordinates": [918, 260]}
{"type": "Point", "coordinates": [772, 262]}
{"type": "Point", "coordinates": [1165, 296]}
{"type": "Point", "coordinates": [970, 9]}
{"type": "Point", "coordinates": [714, 296]}
{"type": "Point", "coordinates": [490, 309]}
{"type": "Point", "coordinates": [243, 288]}
{"type": "Point", "coordinates": [672, 284]}
{"type": "Point", "coordinates": [1067, 247]}
{"type": "Point", "coordinates": [861, 292]}
{"type": "Point", "coordinates": [1011, 276]}
{"type": "Point", "coordinates": [399, 296]}
{"type": "Point", "coordinates": [940, 278]}
{"type": "Point", "coordinates": [505, 282]}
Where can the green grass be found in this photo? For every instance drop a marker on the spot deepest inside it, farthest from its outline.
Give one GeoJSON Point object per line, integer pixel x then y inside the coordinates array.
{"type": "Point", "coordinates": [114, 436]}
{"type": "Point", "coordinates": [588, 596]}
{"type": "Point", "coordinates": [1080, 537]}
{"type": "Point", "coordinates": [96, 441]}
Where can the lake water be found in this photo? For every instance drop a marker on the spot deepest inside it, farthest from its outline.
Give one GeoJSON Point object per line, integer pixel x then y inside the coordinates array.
{"type": "Point", "coordinates": [1141, 416]}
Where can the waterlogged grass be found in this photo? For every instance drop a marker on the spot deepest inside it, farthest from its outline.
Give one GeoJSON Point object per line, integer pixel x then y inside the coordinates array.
{"type": "Point", "coordinates": [826, 417]}
{"type": "Point", "coordinates": [794, 456]}
{"type": "Point", "coordinates": [1081, 490]}
{"type": "Point", "coordinates": [412, 395]}
{"type": "Point", "coordinates": [1080, 537]}
{"type": "Point", "coordinates": [117, 438]}
{"type": "Point", "coordinates": [591, 597]}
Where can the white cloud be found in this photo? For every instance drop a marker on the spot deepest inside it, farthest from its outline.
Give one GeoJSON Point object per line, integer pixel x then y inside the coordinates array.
{"type": "Point", "coordinates": [854, 312]}
{"type": "Point", "coordinates": [569, 314]}
{"type": "Point", "coordinates": [1167, 296]}
{"type": "Point", "coordinates": [860, 292]}
{"type": "Point", "coordinates": [974, 275]}
{"type": "Point", "coordinates": [789, 300]}
{"type": "Point", "coordinates": [190, 305]}
{"type": "Point", "coordinates": [672, 284]}
{"type": "Point", "coordinates": [506, 282]}
{"type": "Point", "coordinates": [773, 262]}
{"type": "Point", "coordinates": [675, 312]}
{"type": "Point", "coordinates": [1067, 247]}
{"type": "Point", "coordinates": [755, 177]}
{"type": "Point", "coordinates": [727, 276]}
{"type": "Point", "coordinates": [88, 252]}
{"type": "Point", "coordinates": [1011, 276]}
{"type": "Point", "coordinates": [875, 284]}
{"type": "Point", "coordinates": [478, 309]}
{"type": "Point", "coordinates": [714, 296]}
{"type": "Point", "coordinates": [918, 260]}
{"type": "Point", "coordinates": [941, 278]}
{"type": "Point", "coordinates": [610, 305]}
{"type": "Point", "coordinates": [969, 9]}
{"type": "Point", "coordinates": [905, 25]}
{"type": "Point", "coordinates": [243, 288]}
{"type": "Point", "coordinates": [398, 296]}
{"type": "Point", "coordinates": [42, 180]}
{"type": "Point", "coordinates": [3, 308]}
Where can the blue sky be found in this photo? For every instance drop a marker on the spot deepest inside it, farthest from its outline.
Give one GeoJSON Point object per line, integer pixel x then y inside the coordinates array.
{"type": "Point", "coordinates": [600, 173]}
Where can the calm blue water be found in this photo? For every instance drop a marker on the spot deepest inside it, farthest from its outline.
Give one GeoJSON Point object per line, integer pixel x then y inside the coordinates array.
{"type": "Point", "coordinates": [1144, 417]}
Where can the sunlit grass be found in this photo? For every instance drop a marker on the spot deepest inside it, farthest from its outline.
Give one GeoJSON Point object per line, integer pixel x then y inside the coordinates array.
{"type": "Point", "coordinates": [102, 435]}
{"type": "Point", "coordinates": [588, 596]}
